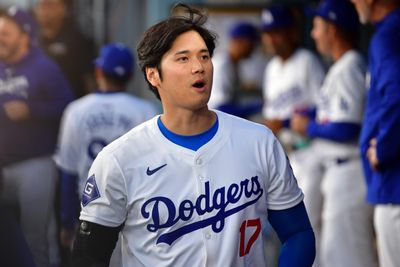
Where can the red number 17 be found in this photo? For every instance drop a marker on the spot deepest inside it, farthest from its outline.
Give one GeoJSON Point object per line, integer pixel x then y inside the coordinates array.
{"type": "Point", "coordinates": [247, 224]}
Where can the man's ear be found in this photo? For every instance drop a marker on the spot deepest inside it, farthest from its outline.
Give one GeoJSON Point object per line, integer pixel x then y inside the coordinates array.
{"type": "Point", "coordinates": [153, 76]}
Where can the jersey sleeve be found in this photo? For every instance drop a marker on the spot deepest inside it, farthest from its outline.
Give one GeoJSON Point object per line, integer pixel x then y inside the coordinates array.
{"type": "Point", "coordinates": [283, 191]}
{"type": "Point", "coordinates": [348, 102]}
{"type": "Point", "coordinates": [67, 151]}
{"type": "Point", "coordinates": [104, 197]}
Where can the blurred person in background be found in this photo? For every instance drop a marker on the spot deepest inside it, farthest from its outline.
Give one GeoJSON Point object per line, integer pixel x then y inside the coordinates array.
{"type": "Point", "coordinates": [62, 40]}
{"type": "Point", "coordinates": [291, 78]}
{"type": "Point", "coordinates": [33, 95]}
{"type": "Point", "coordinates": [329, 170]}
{"type": "Point", "coordinates": [380, 142]}
{"type": "Point", "coordinates": [90, 123]}
{"type": "Point", "coordinates": [227, 87]}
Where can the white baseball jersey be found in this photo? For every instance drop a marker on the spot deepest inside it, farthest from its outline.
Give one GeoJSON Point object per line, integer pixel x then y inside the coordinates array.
{"type": "Point", "coordinates": [225, 81]}
{"type": "Point", "coordinates": [93, 121]}
{"type": "Point", "coordinates": [331, 175]}
{"type": "Point", "coordinates": [342, 98]}
{"type": "Point", "coordinates": [290, 84]}
{"type": "Point", "coordinates": [191, 208]}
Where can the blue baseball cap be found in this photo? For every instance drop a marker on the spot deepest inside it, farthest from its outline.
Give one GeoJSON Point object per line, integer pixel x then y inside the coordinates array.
{"type": "Point", "coordinates": [276, 17]}
{"type": "Point", "coordinates": [340, 12]}
{"type": "Point", "coordinates": [115, 59]}
{"type": "Point", "coordinates": [244, 30]}
{"type": "Point", "coordinates": [24, 20]}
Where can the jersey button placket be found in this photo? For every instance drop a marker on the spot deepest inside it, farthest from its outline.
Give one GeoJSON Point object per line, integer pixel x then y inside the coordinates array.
{"type": "Point", "coordinates": [207, 235]}
{"type": "Point", "coordinates": [199, 161]}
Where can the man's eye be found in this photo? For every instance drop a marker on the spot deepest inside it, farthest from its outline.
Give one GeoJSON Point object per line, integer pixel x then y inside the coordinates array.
{"type": "Point", "coordinates": [205, 57]}
{"type": "Point", "coordinates": [182, 59]}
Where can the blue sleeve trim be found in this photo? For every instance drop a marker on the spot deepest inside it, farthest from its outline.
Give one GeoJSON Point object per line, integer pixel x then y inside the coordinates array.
{"type": "Point", "coordinates": [295, 232]}
{"type": "Point", "coordinates": [336, 131]}
{"type": "Point", "coordinates": [242, 110]}
{"type": "Point", "coordinates": [69, 200]}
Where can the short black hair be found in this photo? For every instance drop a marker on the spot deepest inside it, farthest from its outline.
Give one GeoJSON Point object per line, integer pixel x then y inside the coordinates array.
{"type": "Point", "coordinates": [158, 39]}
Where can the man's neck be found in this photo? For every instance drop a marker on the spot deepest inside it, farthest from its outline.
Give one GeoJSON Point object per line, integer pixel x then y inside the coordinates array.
{"type": "Point", "coordinates": [186, 122]}
{"type": "Point", "coordinates": [339, 49]}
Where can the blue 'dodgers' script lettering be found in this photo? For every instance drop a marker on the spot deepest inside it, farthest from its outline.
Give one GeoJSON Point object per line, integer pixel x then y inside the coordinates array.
{"type": "Point", "coordinates": [249, 190]}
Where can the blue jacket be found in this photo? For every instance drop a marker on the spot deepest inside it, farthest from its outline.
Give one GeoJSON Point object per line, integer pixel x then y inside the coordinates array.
{"type": "Point", "coordinates": [39, 82]}
{"type": "Point", "coordinates": [382, 115]}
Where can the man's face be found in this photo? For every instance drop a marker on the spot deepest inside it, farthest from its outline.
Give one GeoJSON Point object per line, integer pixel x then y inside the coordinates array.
{"type": "Point", "coordinates": [276, 42]}
{"type": "Point", "coordinates": [49, 12]}
{"type": "Point", "coordinates": [187, 74]}
{"type": "Point", "coordinates": [321, 33]}
{"type": "Point", "coordinates": [12, 40]}
{"type": "Point", "coordinates": [363, 8]}
{"type": "Point", "coordinates": [243, 47]}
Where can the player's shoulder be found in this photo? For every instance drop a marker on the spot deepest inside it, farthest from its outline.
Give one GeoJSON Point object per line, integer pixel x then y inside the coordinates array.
{"type": "Point", "coordinates": [350, 62]}
{"type": "Point", "coordinates": [42, 61]}
{"type": "Point", "coordinates": [140, 137]}
{"type": "Point", "coordinates": [306, 56]}
{"type": "Point", "coordinates": [244, 127]}
{"type": "Point", "coordinates": [79, 104]}
{"type": "Point", "coordinates": [141, 102]}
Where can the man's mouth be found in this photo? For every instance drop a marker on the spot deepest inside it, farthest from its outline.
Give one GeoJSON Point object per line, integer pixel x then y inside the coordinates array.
{"type": "Point", "coordinates": [199, 84]}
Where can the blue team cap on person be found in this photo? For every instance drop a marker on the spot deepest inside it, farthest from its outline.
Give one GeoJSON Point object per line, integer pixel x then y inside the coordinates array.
{"type": "Point", "coordinates": [276, 17]}
{"type": "Point", "coordinates": [244, 30]}
{"type": "Point", "coordinates": [25, 20]}
{"type": "Point", "coordinates": [340, 12]}
{"type": "Point", "coordinates": [115, 59]}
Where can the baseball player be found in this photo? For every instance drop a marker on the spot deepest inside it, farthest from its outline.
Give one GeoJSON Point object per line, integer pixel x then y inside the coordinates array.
{"type": "Point", "coordinates": [186, 188]}
{"type": "Point", "coordinates": [329, 170]}
{"type": "Point", "coordinates": [93, 121]}
{"type": "Point", "coordinates": [33, 95]}
{"type": "Point", "coordinates": [291, 78]}
{"type": "Point", "coordinates": [227, 87]}
{"type": "Point", "coordinates": [379, 141]}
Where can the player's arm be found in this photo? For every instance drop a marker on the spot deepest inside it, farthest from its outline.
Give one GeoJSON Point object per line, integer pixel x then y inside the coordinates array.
{"type": "Point", "coordinates": [336, 131]}
{"type": "Point", "coordinates": [296, 234]}
{"type": "Point", "coordinates": [69, 206]}
{"type": "Point", "coordinates": [94, 245]}
{"type": "Point", "coordinates": [387, 139]}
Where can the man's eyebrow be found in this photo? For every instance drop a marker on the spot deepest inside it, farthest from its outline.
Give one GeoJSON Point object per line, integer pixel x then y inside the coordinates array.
{"type": "Point", "coordinates": [187, 51]}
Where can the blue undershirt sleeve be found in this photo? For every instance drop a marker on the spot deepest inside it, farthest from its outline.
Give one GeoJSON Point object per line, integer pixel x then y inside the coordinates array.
{"type": "Point", "coordinates": [241, 110]}
{"type": "Point", "coordinates": [295, 232]}
{"type": "Point", "coordinates": [69, 200]}
{"type": "Point", "coordinates": [336, 131]}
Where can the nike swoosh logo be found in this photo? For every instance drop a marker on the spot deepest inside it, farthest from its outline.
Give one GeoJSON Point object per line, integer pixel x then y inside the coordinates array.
{"type": "Point", "coordinates": [151, 172]}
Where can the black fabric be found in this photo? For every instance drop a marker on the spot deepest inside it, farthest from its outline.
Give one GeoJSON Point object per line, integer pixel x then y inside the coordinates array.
{"type": "Point", "coordinates": [94, 245]}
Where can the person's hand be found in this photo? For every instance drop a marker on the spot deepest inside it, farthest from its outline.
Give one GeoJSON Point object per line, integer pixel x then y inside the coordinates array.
{"type": "Point", "coordinates": [16, 110]}
{"type": "Point", "coordinates": [372, 155]}
{"type": "Point", "coordinates": [67, 237]}
{"type": "Point", "coordinates": [299, 123]}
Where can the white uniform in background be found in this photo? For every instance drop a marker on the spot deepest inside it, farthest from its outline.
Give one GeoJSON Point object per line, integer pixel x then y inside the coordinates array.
{"type": "Point", "coordinates": [289, 85]}
{"type": "Point", "coordinates": [181, 206]}
{"type": "Point", "coordinates": [331, 176]}
{"type": "Point", "coordinates": [93, 121]}
{"type": "Point", "coordinates": [225, 82]}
